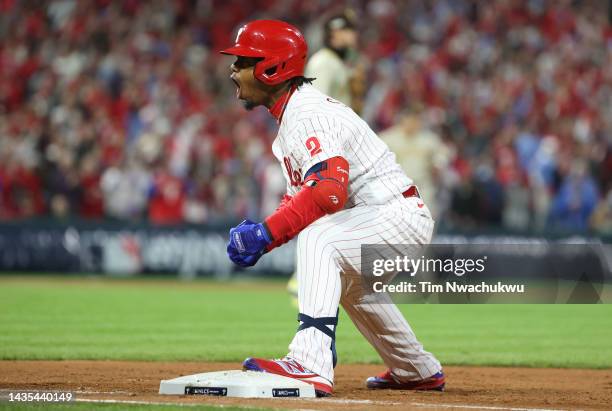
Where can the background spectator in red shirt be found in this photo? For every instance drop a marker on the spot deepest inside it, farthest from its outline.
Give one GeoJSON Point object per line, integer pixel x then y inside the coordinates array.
{"type": "Point", "coordinates": [94, 94]}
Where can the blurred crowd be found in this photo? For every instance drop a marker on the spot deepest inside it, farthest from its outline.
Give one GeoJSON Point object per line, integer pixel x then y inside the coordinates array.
{"type": "Point", "coordinates": [124, 109]}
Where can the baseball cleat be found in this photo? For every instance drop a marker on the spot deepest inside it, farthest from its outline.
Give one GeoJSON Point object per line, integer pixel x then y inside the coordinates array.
{"type": "Point", "coordinates": [387, 381]}
{"type": "Point", "coordinates": [288, 367]}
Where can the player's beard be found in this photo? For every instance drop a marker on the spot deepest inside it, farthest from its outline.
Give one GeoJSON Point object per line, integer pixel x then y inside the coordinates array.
{"type": "Point", "coordinates": [249, 105]}
{"type": "Point", "coordinates": [341, 52]}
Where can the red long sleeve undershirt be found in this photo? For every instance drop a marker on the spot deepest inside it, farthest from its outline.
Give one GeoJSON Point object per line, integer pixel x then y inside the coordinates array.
{"type": "Point", "coordinates": [311, 202]}
{"type": "Point", "coordinates": [293, 215]}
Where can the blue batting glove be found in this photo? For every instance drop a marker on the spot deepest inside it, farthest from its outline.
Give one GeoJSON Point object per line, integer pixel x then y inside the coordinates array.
{"type": "Point", "coordinates": [243, 260]}
{"type": "Point", "coordinates": [248, 242]}
{"type": "Point", "coordinates": [249, 238]}
{"type": "Point", "coordinates": [234, 254]}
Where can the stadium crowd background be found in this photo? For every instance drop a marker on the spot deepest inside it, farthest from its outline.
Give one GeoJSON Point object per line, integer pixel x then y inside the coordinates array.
{"type": "Point", "coordinates": [124, 109]}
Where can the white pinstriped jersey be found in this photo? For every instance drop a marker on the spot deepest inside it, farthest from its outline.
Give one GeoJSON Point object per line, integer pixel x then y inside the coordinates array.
{"type": "Point", "coordinates": [315, 127]}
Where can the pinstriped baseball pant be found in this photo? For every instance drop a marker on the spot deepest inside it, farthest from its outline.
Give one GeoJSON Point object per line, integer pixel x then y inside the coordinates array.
{"type": "Point", "coordinates": [329, 274]}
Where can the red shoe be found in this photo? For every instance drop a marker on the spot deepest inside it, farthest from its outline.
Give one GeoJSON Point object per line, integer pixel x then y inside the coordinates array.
{"type": "Point", "coordinates": [386, 381]}
{"type": "Point", "coordinates": [288, 367]}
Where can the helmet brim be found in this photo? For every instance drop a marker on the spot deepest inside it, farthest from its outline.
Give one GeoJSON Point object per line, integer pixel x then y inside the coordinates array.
{"type": "Point", "coordinates": [242, 51]}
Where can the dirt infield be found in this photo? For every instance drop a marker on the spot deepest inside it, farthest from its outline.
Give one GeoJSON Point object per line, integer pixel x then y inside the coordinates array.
{"type": "Point", "coordinates": [467, 387]}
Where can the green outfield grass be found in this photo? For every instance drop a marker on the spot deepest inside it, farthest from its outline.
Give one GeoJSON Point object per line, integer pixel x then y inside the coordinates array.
{"type": "Point", "coordinates": [90, 318]}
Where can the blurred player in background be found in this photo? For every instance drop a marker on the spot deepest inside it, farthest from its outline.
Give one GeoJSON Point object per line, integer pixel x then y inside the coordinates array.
{"type": "Point", "coordinates": [336, 68]}
{"type": "Point", "coordinates": [419, 151]}
{"type": "Point", "coordinates": [344, 190]}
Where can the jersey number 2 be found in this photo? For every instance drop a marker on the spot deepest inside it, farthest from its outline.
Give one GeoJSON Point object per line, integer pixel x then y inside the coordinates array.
{"type": "Point", "coordinates": [313, 146]}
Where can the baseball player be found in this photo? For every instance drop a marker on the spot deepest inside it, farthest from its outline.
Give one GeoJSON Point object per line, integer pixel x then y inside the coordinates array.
{"type": "Point", "coordinates": [344, 189]}
{"type": "Point", "coordinates": [329, 66]}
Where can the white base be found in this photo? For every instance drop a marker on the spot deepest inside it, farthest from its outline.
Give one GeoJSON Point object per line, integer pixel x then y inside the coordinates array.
{"type": "Point", "coordinates": [236, 383]}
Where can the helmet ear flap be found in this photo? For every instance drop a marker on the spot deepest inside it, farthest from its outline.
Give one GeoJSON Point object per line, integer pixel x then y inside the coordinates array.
{"type": "Point", "coordinates": [267, 70]}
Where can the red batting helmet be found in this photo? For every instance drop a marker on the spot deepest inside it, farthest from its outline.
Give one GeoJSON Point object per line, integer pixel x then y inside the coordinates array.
{"type": "Point", "coordinates": [281, 45]}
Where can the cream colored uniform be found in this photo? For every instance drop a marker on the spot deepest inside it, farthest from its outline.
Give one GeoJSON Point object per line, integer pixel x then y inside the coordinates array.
{"type": "Point", "coordinates": [418, 153]}
{"type": "Point", "coordinates": [315, 127]}
{"type": "Point", "coordinates": [332, 76]}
